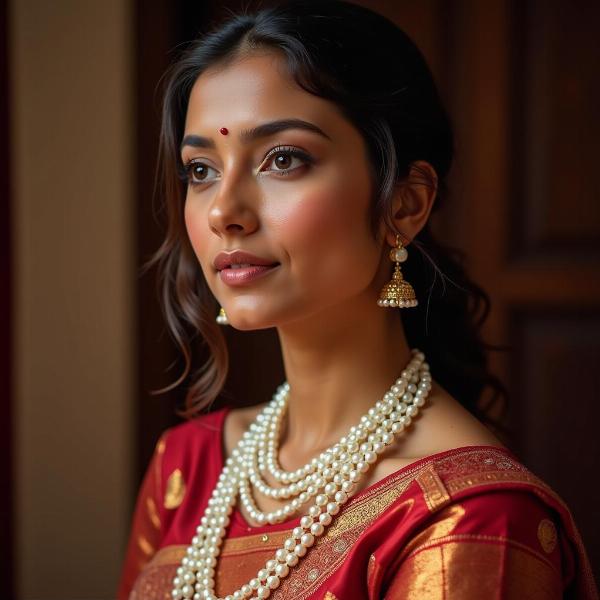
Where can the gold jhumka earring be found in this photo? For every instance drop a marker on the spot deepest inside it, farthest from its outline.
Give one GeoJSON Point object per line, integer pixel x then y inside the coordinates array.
{"type": "Point", "coordinates": [397, 293]}
{"type": "Point", "coordinates": [222, 317]}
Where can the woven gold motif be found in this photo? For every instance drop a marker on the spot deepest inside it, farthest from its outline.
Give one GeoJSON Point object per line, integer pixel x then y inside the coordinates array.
{"type": "Point", "coordinates": [152, 512]}
{"type": "Point", "coordinates": [145, 546]}
{"type": "Point", "coordinates": [175, 489]}
{"type": "Point", "coordinates": [547, 535]}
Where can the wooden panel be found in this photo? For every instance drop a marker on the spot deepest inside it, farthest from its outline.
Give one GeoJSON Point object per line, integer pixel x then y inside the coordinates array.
{"type": "Point", "coordinates": [523, 96]}
{"type": "Point", "coordinates": [557, 134]}
{"type": "Point", "coordinates": [555, 410]}
{"type": "Point", "coordinates": [476, 217]}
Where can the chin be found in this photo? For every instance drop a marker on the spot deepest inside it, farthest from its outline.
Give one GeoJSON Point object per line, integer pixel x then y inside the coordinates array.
{"type": "Point", "coordinates": [249, 322]}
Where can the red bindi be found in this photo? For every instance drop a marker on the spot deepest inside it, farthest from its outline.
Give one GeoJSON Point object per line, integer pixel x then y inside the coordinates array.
{"type": "Point", "coordinates": [224, 130]}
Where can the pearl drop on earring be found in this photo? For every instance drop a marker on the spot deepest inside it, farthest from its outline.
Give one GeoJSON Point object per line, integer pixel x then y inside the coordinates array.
{"type": "Point", "coordinates": [222, 317]}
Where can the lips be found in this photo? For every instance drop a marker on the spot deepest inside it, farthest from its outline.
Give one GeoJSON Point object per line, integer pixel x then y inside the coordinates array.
{"type": "Point", "coordinates": [239, 259]}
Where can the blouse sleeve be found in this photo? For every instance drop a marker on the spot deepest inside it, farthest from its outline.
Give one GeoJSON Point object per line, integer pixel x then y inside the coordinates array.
{"type": "Point", "coordinates": [498, 545]}
{"type": "Point", "coordinates": [145, 534]}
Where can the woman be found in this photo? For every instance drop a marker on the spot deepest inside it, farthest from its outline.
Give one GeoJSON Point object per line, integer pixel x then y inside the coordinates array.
{"type": "Point", "coordinates": [313, 148]}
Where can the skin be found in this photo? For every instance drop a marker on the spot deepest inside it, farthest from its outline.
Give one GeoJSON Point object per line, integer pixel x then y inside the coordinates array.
{"type": "Point", "coordinates": [341, 351]}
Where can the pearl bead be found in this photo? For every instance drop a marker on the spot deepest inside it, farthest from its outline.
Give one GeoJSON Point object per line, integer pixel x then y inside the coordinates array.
{"type": "Point", "coordinates": [348, 486]}
{"type": "Point", "coordinates": [271, 564]}
{"type": "Point", "coordinates": [289, 544]}
{"type": "Point", "coordinates": [300, 550]}
{"type": "Point", "coordinates": [412, 411]}
{"type": "Point", "coordinates": [341, 497]}
{"type": "Point", "coordinates": [280, 555]}
{"type": "Point", "coordinates": [333, 508]}
{"type": "Point", "coordinates": [325, 518]}
{"type": "Point", "coordinates": [305, 522]}
{"type": "Point", "coordinates": [291, 560]}
{"type": "Point", "coordinates": [371, 457]}
{"type": "Point", "coordinates": [317, 529]}
{"type": "Point", "coordinates": [282, 570]}
{"type": "Point", "coordinates": [397, 427]}
{"type": "Point", "coordinates": [398, 254]}
{"type": "Point", "coordinates": [273, 582]}
{"type": "Point", "coordinates": [330, 489]}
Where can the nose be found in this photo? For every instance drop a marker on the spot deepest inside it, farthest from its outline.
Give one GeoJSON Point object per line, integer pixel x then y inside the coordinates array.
{"type": "Point", "coordinates": [233, 209]}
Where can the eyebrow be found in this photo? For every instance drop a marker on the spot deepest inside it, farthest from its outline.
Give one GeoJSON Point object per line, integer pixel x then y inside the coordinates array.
{"type": "Point", "coordinates": [260, 131]}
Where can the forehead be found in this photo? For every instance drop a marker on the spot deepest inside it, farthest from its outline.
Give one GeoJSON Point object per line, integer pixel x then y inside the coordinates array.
{"type": "Point", "coordinates": [252, 89]}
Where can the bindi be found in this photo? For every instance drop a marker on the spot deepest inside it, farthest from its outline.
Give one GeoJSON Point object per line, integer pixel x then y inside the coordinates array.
{"type": "Point", "coordinates": [224, 130]}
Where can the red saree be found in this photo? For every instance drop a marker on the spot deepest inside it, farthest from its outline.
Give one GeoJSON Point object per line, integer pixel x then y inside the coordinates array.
{"type": "Point", "coordinates": [467, 523]}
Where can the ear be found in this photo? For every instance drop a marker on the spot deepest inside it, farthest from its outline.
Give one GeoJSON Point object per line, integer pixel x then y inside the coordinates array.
{"type": "Point", "coordinates": [412, 203]}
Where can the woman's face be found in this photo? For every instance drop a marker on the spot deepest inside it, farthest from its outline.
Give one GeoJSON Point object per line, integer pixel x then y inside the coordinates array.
{"type": "Point", "coordinates": [278, 173]}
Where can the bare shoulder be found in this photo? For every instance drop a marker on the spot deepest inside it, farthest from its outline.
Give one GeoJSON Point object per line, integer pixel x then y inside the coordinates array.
{"type": "Point", "coordinates": [459, 425]}
{"type": "Point", "coordinates": [444, 424]}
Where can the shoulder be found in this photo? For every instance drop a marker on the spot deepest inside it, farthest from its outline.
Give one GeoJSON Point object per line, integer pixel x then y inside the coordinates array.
{"type": "Point", "coordinates": [447, 424]}
{"type": "Point", "coordinates": [510, 538]}
{"type": "Point", "coordinates": [481, 506]}
{"type": "Point", "coordinates": [490, 496]}
{"type": "Point", "coordinates": [189, 450]}
{"type": "Point", "coordinates": [443, 425]}
{"type": "Point", "coordinates": [199, 430]}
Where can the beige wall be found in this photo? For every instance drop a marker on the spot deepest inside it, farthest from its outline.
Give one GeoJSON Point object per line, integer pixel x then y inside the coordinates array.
{"type": "Point", "coordinates": [73, 205]}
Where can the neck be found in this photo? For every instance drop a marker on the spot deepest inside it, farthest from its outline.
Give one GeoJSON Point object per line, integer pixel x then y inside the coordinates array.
{"type": "Point", "coordinates": [337, 372]}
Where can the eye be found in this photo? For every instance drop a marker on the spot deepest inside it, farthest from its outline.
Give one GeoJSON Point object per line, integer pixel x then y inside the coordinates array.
{"type": "Point", "coordinates": [285, 160]}
{"type": "Point", "coordinates": [197, 173]}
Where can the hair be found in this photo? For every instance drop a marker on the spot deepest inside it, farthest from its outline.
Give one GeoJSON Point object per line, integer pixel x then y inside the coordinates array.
{"type": "Point", "coordinates": [378, 78]}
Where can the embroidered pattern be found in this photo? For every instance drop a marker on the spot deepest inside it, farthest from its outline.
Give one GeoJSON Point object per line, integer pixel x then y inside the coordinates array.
{"type": "Point", "coordinates": [547, 535]}
{"type": "Point", "coordinates": [175, 490]}
{"type": "Point", "coordinates": [434, 490]}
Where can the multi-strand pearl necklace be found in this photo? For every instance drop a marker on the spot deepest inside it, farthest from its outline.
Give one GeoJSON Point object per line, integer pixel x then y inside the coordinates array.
{"type": "Point", "coordinates": [329, 478]}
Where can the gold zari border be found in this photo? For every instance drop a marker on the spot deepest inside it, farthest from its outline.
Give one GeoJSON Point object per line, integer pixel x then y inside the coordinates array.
{"type": "Point", "coordinates": [434, 491]}
{"type": "Point", "coordinates": [471, 571]}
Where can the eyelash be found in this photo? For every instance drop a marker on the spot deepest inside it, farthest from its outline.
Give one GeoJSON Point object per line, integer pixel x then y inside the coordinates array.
{"type": "Point", "coordinates": [185, 171]}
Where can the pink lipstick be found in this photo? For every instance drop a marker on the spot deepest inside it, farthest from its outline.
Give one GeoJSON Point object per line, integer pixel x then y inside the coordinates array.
{"type": "Point", "coordinates": [239, 267]}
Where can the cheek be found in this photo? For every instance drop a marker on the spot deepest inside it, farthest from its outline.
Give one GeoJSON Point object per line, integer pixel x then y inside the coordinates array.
{"type": "Point", "coordinates": [326, 229]}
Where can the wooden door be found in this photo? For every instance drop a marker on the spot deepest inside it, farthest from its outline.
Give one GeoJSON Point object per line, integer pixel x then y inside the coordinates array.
{"type": "Point", "coordinates": [521, 79]}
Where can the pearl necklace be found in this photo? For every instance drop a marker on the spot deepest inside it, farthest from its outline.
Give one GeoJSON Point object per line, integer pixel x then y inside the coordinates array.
{"type": "Point", "coordinates": [329, 478]}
